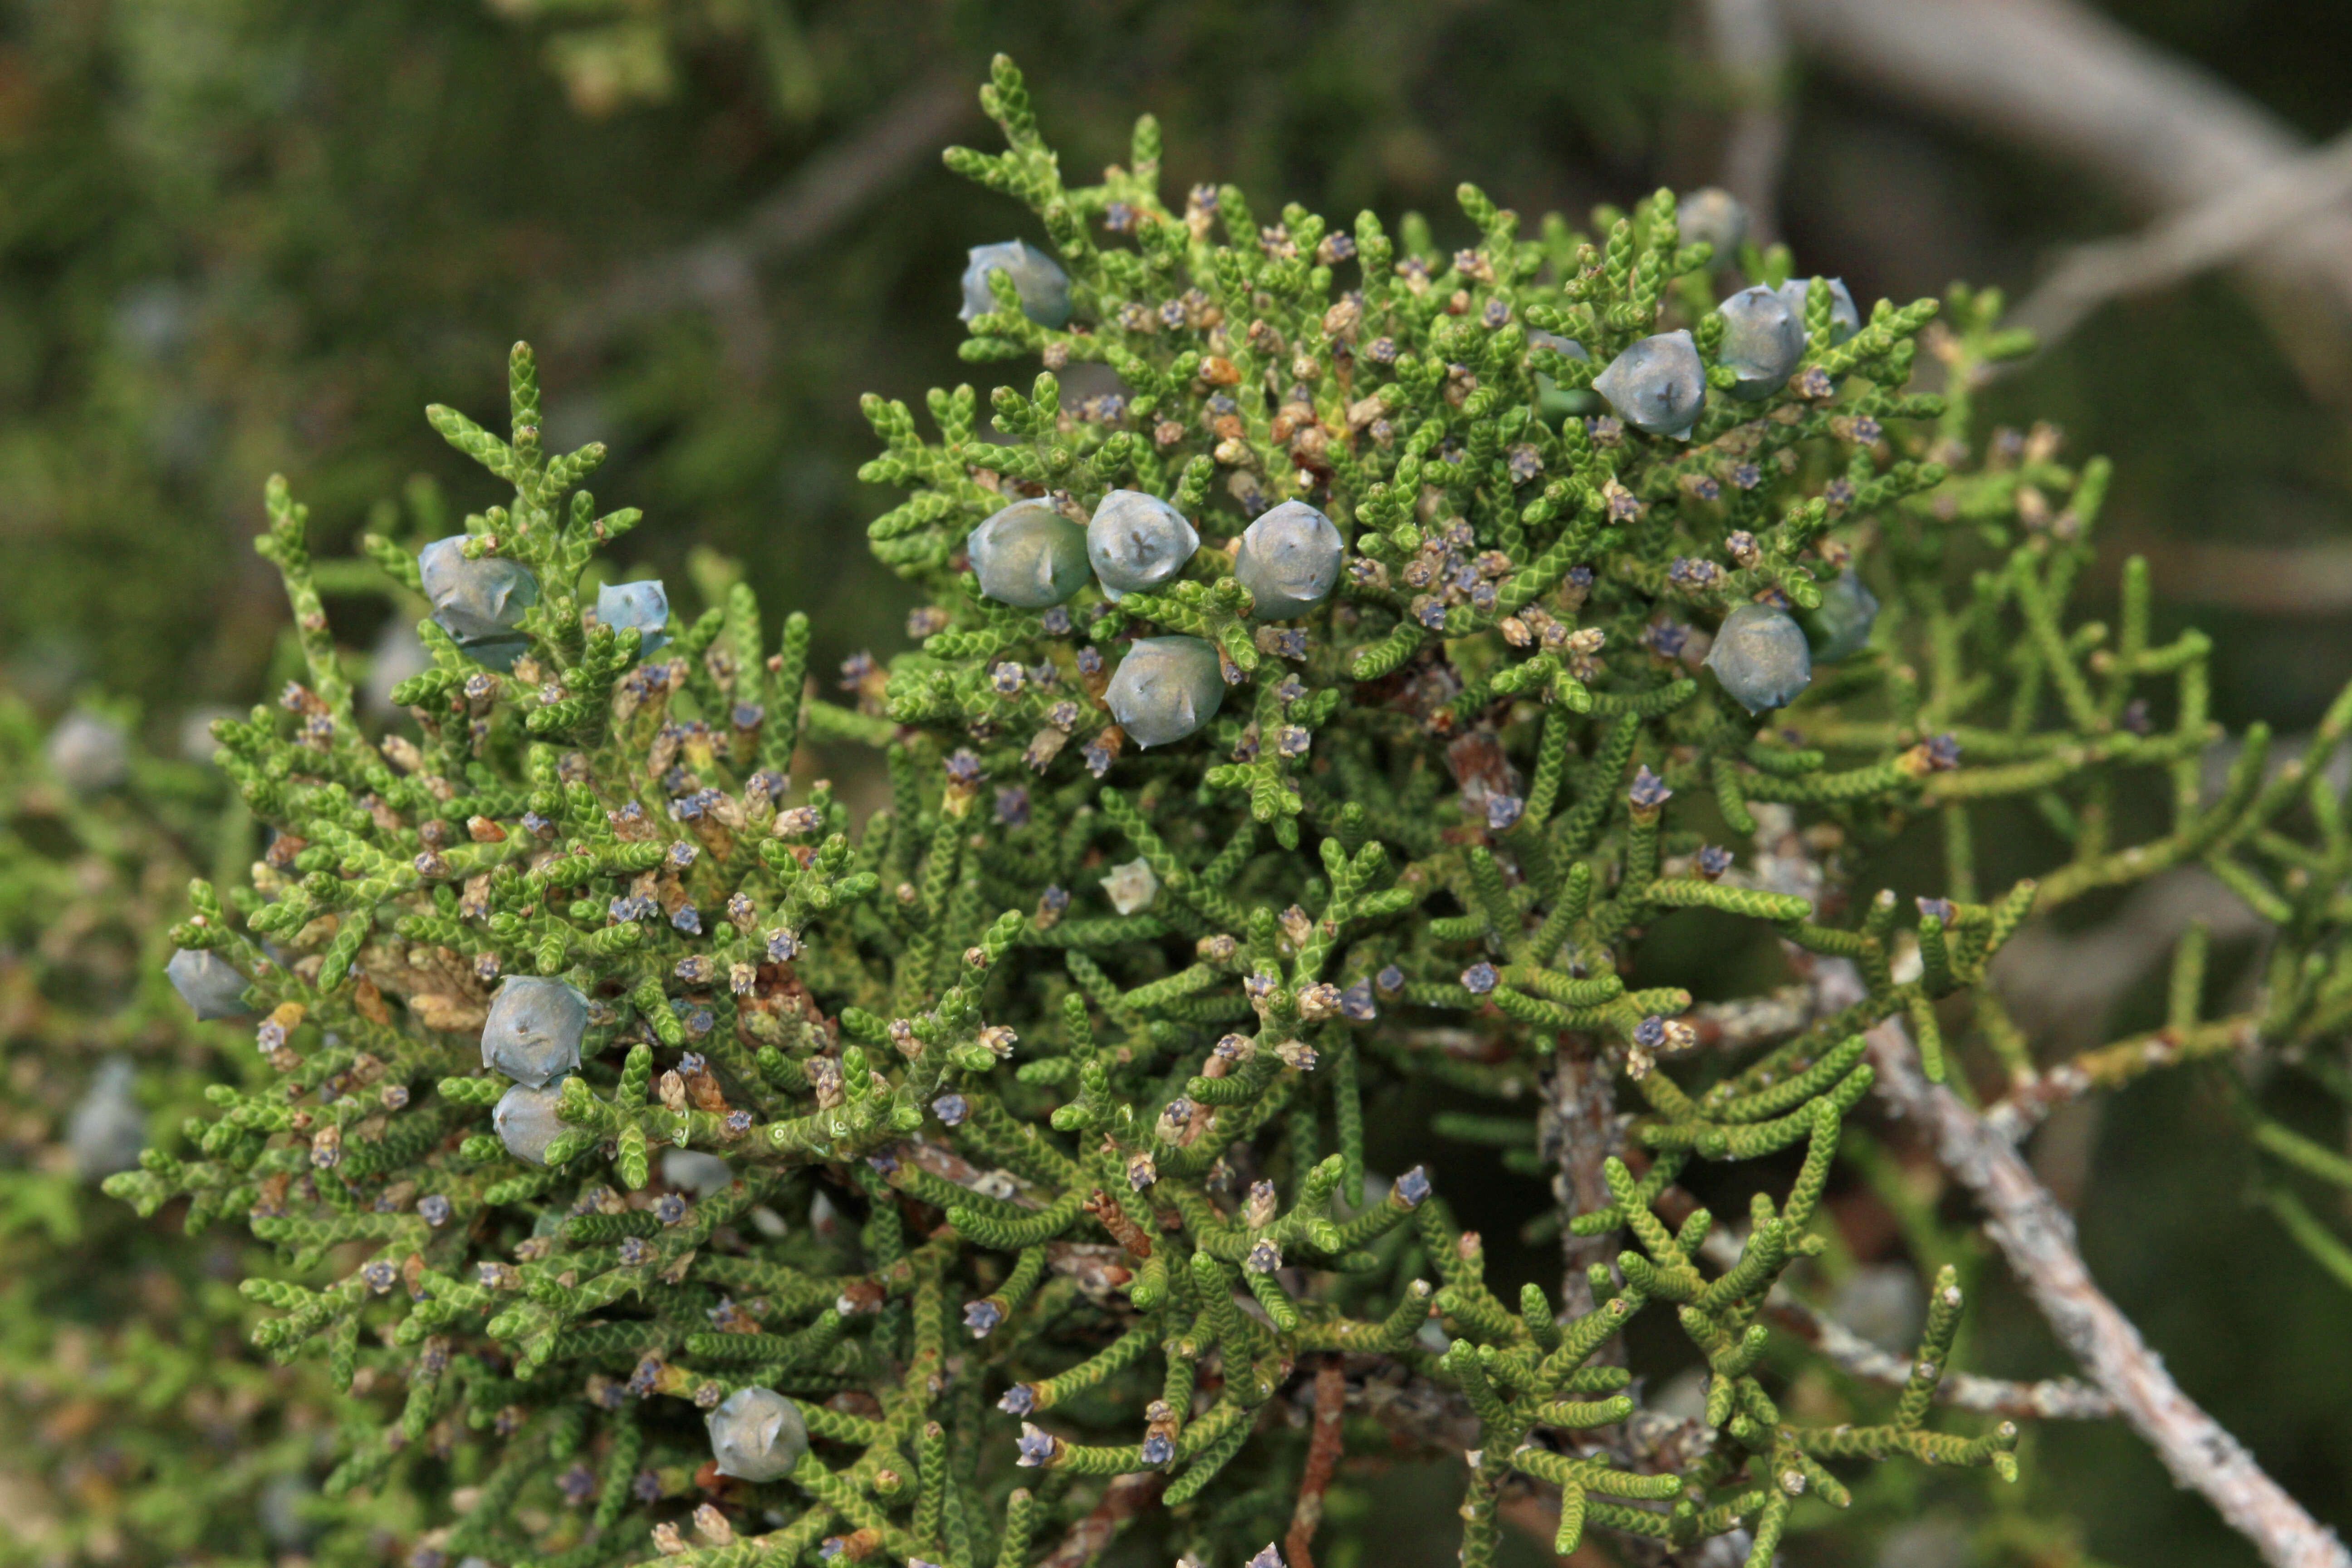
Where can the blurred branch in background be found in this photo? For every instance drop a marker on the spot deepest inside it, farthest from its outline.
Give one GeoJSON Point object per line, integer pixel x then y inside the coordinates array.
{"type": "Point", "coordinates": [1751, 50]}
{"type": "Point", "coordinates": [2283, 579]}
{"type": "Point", "coordinates": [2069, 84]}
{"type": "Point", "coordinates": [720, 273]}
{"type": "Point", "coordinates": [2211, 234]}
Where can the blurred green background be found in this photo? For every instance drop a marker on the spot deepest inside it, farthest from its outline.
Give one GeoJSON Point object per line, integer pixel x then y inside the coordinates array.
{"type": "Point", "coordinates": [239, 237]}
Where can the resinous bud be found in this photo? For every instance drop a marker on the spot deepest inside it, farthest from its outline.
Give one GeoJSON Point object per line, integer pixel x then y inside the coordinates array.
{"type": "Point", "coordinates": [1044, 288]}
{"type": "Point", "coordinates": [1763, 339]}
{"type": "Point", "coordinates": [1841, 626]}
{"type": "Point", "coordinates": [1657, 386]}
{"type": "Point", "coordinates": [1137, 541]}
{"type": "Point", "coordinates": [1165, 688]}
{"type": "Point", "coordinates": [1844, 320]}
{"type": "Point", "coordinates": [87, 752]}
{"type": "Point", "coordinates": [1715, 216]}
{"type": "Point", "coordinates": [1288, 560]}
{"type": "Point", "coordinates": [1759, 655]}
{"type": "Point", "coordinates": [1028, 555]}
{"type": "Point", "coordinates": [644, 606]}
{"type": "Point", "coordinates": [526, 1122]}
{"type": "Point", "coordinates": [107, 1130]}
{"type": "Point", "coordinates": [207, 983]}
{"type": "Point", "coordinates": [757, 1435]}
{"type": "Point", "coordinates": [533, 1034]}
{"type": "Point", "coordinates": [475, 601]}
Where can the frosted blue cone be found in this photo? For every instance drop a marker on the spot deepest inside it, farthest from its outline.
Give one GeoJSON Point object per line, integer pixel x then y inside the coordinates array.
{"type": "Point", "coordinates": [207, 983]}
{"type": "Point", "coordinates": [757, 1435]}
{"type": "Point", "coordinates": [696, 1171]}
{"type": "Point", "coordinates": [1288, 560]}
{"type": "Point", "coordinates": [279, 1508]}
{"type": "Point", "coordinates": [475, 601]}
{"type": "Point", "coordinates": [1713, 215]}
{"type": "Point", "coordinates": [1841, 628]}
{"type": "Point", "coordinates": [1759, 655]}
{"type": "Point", "coordinates": [87, 752]}
{"type": "Point", "coordinates": [1845, 318]}
{"type": "Point", "coordinates": [1552, 402]}
{"type": "Point", "coordinates": [1028, 555]}
{"type": "Point", "coordinates": [1137, 541]}
{"type": "Point", "coordinates": [644, 606]}
{"type": "Point", "coordinates": [399, 654]}
{"type": "Point", "coordinates": [1763, 339]}
{"type": "Point", "coordinates": [526, 1122]}
{"type": "Point", "coordinates": [1044, 288]}
{"type": "Point", "coordinates": [1165, 688]}
{"type": "Point", "coordinates": [107, 1130]}
{"type": "Point", "coordinates": [1657, 386]}
{"type": "Point", "coordinates": [496, 653]}
{"type": "Point", "coordinates": [533, 1034]}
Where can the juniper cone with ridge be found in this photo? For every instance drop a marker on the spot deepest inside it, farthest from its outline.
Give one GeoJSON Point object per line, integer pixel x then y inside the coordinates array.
{"type": "Point", "coordinates": [1763, 339]}
{"type": "Point", "coordinates": [1041, 288]}
{"type": "Point", "coordinates": [1028, 555]}
{"type": "Point", "coordinates": [1289, 560]}
{"type": "Point", "coordinates": [474, 601]}
{"type": "Point", "coordinates": [1713, 216]}
{"type": "Point", "coordinates": [1137, 541]}
{"type": "Point", "coordinates": [1760, 655]}
{"type": "Point", "coordinates": [1844, 320]}
{"type": "Point", "coordinates": [1839, 627]}
{"type": "Point", "coordinates": [1165, 688]}
{"type": "Point", "coordinates": [533, 1030]}
{"type": "Point", "coordinates": [1557, 344]}
{"type": "Point", "coordinates": [108, 1129]}
{"type": "Point", "coordinates": [1082, 1151]}
{"type": "Point", "coordinates": [641, 606]}
{"type": "Point", "coordinates": [758, 1434]}
{"type": "Point", "coordinates": [89, 752]}
{"type": "Point", "coordinates": [207, 983]}
{"type": "Point", "coordinates": [527, 1121]}
{"type": "Point", "coordinates": [1657, 386]}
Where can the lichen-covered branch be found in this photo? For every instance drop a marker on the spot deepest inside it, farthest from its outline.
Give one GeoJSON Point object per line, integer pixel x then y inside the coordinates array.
{"type": "Point", "coordinates": [2038, 1238]}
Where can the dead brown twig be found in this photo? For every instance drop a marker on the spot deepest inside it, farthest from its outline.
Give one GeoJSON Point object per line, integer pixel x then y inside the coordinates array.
{"type": "Point", "coordinates": [1126, 1496]}
{"type": "Point", "coordinates": [1323, 1447]}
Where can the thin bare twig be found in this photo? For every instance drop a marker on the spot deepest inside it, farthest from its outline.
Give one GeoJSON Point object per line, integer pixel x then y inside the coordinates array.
{"type": "Point", "coordinates": [2051, 1399]}
{"type": "Point", "coordinates": [2038, 1238]}
{"type": "Point", "coordinates": [1126, 1496]}
{"type": "Point", "coordinates": [1577, 1131]}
